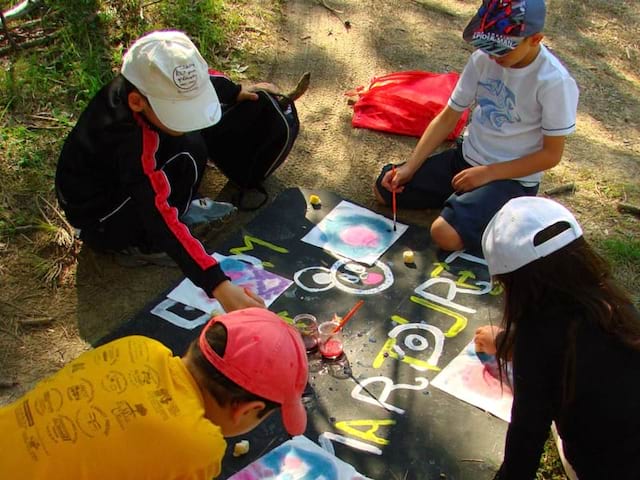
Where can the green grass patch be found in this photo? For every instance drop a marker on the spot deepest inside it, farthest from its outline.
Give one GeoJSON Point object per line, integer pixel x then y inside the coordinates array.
{"type": "Point", "coordinates": [17, 143]}
{"type": "Point", "coordinates": [623, 254]}
{"type": "Point", "coordinates": [621, 251]}
{"type": "Point", "coordinates": [44, 88]}
{"type": "Point", "coordinates": [551, 467]}
{"type": "Point", "coordinates": [203, 20]}
{"type": "Point", "coordinates": [613, 191]}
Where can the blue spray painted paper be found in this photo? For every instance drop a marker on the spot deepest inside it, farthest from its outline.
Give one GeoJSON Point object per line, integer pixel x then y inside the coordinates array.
{"type": "Point", "coordinates": [298, 459]}
{"type": "Point", "coordinates": [355, 232]}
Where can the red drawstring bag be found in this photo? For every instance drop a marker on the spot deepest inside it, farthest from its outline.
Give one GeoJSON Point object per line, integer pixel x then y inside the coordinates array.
{"type": "Point", "coordinates": [405, 102]}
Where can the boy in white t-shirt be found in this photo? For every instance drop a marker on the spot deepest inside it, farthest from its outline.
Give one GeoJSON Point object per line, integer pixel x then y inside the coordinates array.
{"type": "Point", "coordinates": [525, 104]}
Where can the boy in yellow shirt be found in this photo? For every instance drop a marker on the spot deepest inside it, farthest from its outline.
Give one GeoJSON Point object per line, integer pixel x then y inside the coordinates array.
{"type": "Point", "coordinates": [131, 410]}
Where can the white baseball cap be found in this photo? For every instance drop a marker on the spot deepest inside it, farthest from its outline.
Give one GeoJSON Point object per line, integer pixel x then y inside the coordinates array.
{"type": "Point", "coordinates": [507, 242]}
{"type": "Point", "coordinates": [167, 68]}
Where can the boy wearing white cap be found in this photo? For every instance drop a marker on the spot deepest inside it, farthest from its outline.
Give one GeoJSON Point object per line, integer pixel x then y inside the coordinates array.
{"type": "Point", "coordinates": [131, 410]}
{"type": "Point", "coordinates": [129, 172]}
{"type": "Point", "coordinates": [524, 104]}
{"type": "Point", "coordinates": [573, 337]}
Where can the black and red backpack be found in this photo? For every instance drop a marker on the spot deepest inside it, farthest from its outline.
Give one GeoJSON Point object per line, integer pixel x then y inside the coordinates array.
{"type": "Point", "coordinates": [252, 139]}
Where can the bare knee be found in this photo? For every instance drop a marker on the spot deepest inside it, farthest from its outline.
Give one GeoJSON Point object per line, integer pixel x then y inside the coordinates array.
{"type": "Point", "coordinates": [445, 236]}
{"type": "Point", "coordinates": [379, 197]}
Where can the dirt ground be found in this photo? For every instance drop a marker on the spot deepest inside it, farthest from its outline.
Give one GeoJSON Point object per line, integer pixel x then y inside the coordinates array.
{"type": "Point", "coordinates": [343, 49]}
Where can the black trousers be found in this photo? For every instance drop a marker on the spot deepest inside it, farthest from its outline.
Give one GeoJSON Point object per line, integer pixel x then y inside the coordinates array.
{"type": "Point", "coordinates": [126, 225]}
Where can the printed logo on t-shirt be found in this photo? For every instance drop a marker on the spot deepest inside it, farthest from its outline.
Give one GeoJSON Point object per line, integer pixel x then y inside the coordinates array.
{"type": "Point", "coordinates": [138, 350]}
{"type": "Point", "coordinates": [163, 403]}
{"type": "Point", "coordinates": [82, 391]}
{"type": "Point", "coordinates": [24, 415]}
{"type": "Point", "coordinates": [62, 429]}
{"type": "Point", "coordinates": [114, 382]}
{"type": "Point", "coordinates": [185, 77]}
{"type": "Point", "coordinates": [49, 401]}
{"type": "Point", "coordinates": [34, 444]}
{"type": "Point", "coordinates": [109, 354]}
{"type": "Point", "coordinates": [497, 104]}
{"type": "Point", "coordinates": [124, 413]}
{"type": "Point", "coordinates": [93, 421]}
{"type": "Point", "coordinates": [144, 376]}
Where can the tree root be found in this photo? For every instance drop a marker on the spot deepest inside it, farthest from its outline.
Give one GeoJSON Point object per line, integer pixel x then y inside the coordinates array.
{"type": "Point", "coordinates": [628, 208]}
{"type": "Point", "coordinates": [565, 187]}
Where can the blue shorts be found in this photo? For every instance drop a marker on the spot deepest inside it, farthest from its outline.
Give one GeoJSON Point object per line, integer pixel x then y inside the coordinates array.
{"type": "Point", "coordinates": [469, 212]}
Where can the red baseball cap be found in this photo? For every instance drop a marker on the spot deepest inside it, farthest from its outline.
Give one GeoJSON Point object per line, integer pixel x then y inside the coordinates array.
{"type": "Point", "coordinates": [265, 356]}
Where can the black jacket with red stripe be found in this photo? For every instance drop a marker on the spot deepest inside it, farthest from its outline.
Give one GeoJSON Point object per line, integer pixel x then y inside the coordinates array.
{"type": "Point", "coordinates": [112, 157]}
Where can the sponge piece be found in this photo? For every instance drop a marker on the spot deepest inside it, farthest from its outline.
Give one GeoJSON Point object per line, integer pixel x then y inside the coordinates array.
{"type": "Point", "coordinates": [241, 448]}
{"type": "Point", "coordinates": [408, 256]}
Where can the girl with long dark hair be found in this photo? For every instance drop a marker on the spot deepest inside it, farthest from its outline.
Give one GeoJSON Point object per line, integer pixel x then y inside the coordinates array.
{"type": "Point", "coordinates": [573, 337]}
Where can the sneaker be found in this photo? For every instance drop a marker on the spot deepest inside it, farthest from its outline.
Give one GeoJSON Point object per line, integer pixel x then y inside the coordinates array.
{"type": "Point", "coordinates": [134, 257]}
{"type": "Point", "coordinates": [205, 215]}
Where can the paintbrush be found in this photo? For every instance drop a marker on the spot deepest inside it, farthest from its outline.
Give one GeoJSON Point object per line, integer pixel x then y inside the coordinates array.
{"type": "Point", "coordinates": [393, 197]}
{"type": "Point", "coordinates": [349, 314]}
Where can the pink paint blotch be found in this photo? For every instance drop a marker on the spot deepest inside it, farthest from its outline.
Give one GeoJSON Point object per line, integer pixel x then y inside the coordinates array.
{"type": "Point", "coordinates": [373, 279]}
{"type": "Point", "coordinates": [359, 236]}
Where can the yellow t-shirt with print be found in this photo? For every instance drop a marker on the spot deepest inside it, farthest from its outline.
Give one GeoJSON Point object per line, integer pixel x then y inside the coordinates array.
{"type": "Point", "coordinates": [126, 410]}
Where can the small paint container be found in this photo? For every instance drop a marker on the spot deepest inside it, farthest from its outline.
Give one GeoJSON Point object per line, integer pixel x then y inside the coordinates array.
{"type": "Point", "coordinates": [307, 325]}
{"type": "Point", "coordinates": [331, 344]}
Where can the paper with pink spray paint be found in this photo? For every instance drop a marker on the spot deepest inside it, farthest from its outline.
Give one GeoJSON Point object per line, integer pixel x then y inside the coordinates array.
{"type": "Point", "coordinates": [473, 377]}
{"type": "Point", "coordinates": [298, 459]}
{"type": "Point", "coordinates": [263, 282]}
{"type": "Point", "coordinates": [355, 232]}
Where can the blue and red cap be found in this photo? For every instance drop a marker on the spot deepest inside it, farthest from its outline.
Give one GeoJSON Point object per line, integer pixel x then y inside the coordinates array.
{"type": "Point", "coordinates": [500, 25]}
